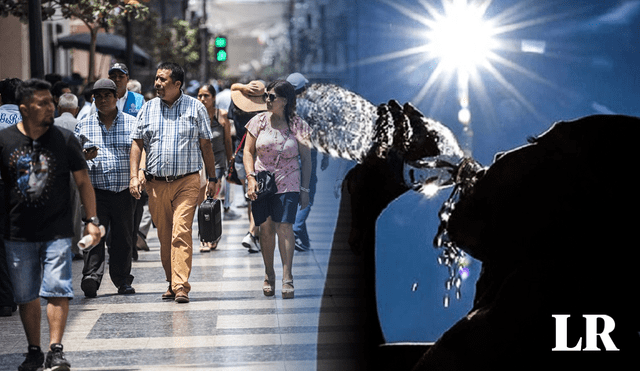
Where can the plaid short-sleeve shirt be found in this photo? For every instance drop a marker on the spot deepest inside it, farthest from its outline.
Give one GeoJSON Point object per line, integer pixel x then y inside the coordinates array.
{"type": "Point", "coordinates": [109, 171]}
{"type": "Point", "coordinates": [171, 135]}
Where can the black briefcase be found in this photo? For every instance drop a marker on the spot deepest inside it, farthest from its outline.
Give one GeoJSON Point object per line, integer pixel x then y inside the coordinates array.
{"type": "Point", "coordinates": [210, 220]}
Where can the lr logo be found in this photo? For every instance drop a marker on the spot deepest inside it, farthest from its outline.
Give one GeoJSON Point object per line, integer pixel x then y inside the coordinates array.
{"type": "Point", "coordinates": [592, 333]}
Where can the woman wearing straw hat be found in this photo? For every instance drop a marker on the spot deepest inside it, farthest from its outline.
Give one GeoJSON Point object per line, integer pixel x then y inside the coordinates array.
{"type": "Point", "coordinates": [274, 141]}
{"type": "Point", "coordinates": [247, 100]}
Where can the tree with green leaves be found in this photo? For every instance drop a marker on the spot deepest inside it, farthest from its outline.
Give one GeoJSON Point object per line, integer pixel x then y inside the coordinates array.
{"type": "Point", "coordinates": [95, 14]}
{"type": "Point", "coordinates": [178, 41]}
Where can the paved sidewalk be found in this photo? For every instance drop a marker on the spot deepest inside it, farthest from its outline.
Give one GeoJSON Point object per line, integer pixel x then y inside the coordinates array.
{"type": "Point", "coordinates": [229, 324]}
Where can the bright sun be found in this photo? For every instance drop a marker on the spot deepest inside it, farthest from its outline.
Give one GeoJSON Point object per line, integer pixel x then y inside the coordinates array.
{"type": "Point", "coordinates": [460, 37]}
{"type": "Point", "coordinates": [461, 45]}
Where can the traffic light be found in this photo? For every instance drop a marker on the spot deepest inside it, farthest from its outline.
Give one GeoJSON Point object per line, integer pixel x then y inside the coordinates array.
{"type": "Point", "coordinates": [221, 48]}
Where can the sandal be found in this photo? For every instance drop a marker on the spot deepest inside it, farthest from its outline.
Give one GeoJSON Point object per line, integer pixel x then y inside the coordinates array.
{"type": "Point", "coordinates": [268, 288]}
{"type": "Point", "coordinates": [287, 292]}
{"type": "Point", "coordinates": [213, 245]}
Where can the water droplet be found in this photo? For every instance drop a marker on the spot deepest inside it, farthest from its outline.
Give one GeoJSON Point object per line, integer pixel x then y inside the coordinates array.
{"type": "Point", "coordinates": [414, 287]}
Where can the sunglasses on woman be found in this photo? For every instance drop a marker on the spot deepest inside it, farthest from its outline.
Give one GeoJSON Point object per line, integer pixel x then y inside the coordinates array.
{"type": "Point", "coordinates": [269, 97]}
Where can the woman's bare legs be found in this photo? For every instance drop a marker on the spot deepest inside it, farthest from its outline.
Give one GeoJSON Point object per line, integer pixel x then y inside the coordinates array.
{"type": "Point", "coordinates": [286, 246]}
{"type": "Point", "coordinates": [268, 246]}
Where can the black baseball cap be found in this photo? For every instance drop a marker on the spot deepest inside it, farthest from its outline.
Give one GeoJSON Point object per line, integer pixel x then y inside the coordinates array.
{"type": "Point", "coordinates": [120, 67]}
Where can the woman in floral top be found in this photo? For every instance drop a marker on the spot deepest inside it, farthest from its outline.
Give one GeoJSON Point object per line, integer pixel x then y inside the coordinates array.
{"type": "Point", "coordinates": [274, 142]}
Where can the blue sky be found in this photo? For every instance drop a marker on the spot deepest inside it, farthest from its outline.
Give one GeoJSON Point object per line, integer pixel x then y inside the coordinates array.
{"type": "Point", "coordinates": [590, 64]}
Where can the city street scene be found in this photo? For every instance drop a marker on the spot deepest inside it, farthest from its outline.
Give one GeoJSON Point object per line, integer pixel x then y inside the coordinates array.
{"type": "Point", "coordinates": [318, 184]}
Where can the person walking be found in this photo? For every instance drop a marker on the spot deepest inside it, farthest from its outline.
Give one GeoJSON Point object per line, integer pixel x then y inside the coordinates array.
{"type": "Point", "coordinates": [9, 111]}
{"type": "Point", "coordinates": [175, 132]}
{"type": "Point", "coordinates": [9, 115]}
{"type": "Point", "coordinates": [106, 136]}
{"type": "Point", "coordinates": [247, 100]}
{"type": "Point", "coordinates": [274, 141]}
{"type": "Point", "coordinates": [220, 141]}
{"type": "Point", "coordinates": [301, 235]}
{"type": "Point", "coordinates": [36, 160]}
{"type": "Point", "coordinates": [68, 109]}
{"type": "Point", "coordinates": [129, 102]}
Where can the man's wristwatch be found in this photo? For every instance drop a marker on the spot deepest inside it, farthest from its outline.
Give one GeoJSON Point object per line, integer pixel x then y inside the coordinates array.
{"type": "Point", "coordinates": [251, 174]}
{"type": "Point", "coordinates": [213, 179]}
{"type": "Point", "coordinates": [93, 220]}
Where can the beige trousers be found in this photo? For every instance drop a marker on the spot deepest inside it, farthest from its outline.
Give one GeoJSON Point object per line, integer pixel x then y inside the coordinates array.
{"type": "Point", "coordinates": [172, 206]}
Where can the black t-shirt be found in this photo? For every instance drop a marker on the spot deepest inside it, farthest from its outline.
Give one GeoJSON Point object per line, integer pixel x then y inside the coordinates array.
{"type": "Point", "coordinates": [36, 175]}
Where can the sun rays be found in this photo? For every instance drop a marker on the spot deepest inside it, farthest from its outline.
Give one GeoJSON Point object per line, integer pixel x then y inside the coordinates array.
{"type": "Point", "coordinates": [463, 46]}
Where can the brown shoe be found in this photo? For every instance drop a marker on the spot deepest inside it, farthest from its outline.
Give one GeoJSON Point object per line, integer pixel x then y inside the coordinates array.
{"type": "Point", "coordinates": [181, 296]}
{"type": "Point", "coordinates": [169, 294]}
{"type": "Point", "coordinates": [141, 244]}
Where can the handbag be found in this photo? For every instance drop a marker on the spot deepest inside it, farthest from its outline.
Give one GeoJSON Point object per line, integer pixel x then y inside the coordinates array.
{"type": "Point", "coordinates": [266, 185]}
{"type": "Point", "coordinates": [267, 180]}
{"type": "Point", "coordinates": [232, 174]}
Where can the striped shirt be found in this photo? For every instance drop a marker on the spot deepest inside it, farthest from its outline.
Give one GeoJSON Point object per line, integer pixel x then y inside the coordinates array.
{"type": "Point", "coordinates": [109, 171]}
{"type": "Point", "coordinates": [171, 135]}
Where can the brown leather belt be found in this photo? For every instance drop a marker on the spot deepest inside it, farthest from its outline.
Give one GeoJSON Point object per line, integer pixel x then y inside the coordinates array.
{"type": "Point", "coordinates": [169, 178]}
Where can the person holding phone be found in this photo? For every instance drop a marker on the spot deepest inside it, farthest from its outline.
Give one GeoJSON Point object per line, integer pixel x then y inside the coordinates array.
{"type": "Point", "coordinates": [105, 135]}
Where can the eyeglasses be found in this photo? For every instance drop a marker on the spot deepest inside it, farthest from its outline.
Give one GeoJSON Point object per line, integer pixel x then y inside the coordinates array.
{"type": "Point", "coordinates": [269, 97]}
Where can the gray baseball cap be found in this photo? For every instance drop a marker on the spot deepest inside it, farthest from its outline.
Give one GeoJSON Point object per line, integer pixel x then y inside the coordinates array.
{"type": "Point", "coordinates": [298, 81]}
{"type": "Point", "coordinates": [104, 84]}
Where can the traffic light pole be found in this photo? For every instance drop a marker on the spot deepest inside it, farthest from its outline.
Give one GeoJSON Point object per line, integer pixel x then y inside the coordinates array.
{"type": "Point", "coordinates": [36, 52]}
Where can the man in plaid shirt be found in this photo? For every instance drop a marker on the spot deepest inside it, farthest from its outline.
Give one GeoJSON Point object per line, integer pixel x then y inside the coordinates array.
{"type": "Point", "coordinates": [106, 142]}
{"type": "Point", "coordinates": [175, 132]}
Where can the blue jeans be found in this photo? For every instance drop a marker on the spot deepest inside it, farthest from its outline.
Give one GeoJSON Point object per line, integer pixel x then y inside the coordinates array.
{"type": "Point", "coordinates": [300, 228]}
{"type": "Point", "coordinates": [300, 225]}
{"type": "Point", "coordinates": [29, 261]}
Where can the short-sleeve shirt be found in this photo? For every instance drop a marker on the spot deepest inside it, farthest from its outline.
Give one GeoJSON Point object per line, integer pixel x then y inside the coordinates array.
{"type": "Point", "coordinates": [269, 143]}
{"type": "Point", "coordinates": [9, 115]}
{"type": "Point", "coordinates": [171, 135]}
{"type": "Point", "coordinates": [36, 174]}
{"type": "Point", "coordinates": [109, 170]}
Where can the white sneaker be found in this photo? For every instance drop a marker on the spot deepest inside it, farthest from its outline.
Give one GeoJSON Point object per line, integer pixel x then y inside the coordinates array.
{"type": "Point", "coordinates": [251, 242]}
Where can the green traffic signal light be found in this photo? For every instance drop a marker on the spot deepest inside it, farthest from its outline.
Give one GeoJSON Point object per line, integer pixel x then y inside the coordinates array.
{"type": "Point", "coordinates": [221, 55]}
{"type": "Point", "coordinates": [221, 42]}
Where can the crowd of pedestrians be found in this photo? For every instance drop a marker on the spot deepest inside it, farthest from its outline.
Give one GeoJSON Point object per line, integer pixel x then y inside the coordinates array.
{"type": "Point", "coordinates": [110, 157]}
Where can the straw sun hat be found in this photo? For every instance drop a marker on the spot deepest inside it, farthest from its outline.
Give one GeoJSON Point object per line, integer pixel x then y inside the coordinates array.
{"type": "Point", "coordinates": [250, 103]}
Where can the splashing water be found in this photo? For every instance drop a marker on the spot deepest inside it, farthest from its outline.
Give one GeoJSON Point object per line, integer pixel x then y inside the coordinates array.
{"type": "Point", "coordinates": [452, 256]}
{"type": "Point", "coordinates": [348, 126]}
{"type": "Point", "coordinates": [342, 121]}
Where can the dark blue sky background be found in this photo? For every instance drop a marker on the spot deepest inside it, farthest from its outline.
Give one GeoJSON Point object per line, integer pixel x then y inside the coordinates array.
{"type": "Point", "coordinates": [590, 65]}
